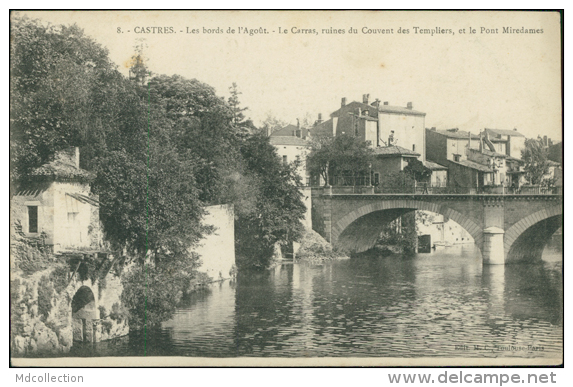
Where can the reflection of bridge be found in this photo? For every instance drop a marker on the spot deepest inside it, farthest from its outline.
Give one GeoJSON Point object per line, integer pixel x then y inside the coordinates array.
{"type": "Point", "coordinates": [506, 228]}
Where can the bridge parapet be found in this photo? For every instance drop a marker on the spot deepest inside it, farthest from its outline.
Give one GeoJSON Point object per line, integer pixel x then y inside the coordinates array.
{"type": "Point", "coordinates": [333, 213]}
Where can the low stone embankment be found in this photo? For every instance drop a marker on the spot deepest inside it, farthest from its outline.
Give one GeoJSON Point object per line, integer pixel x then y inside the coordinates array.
{"type": "Point", "coordinates": [314, 248]}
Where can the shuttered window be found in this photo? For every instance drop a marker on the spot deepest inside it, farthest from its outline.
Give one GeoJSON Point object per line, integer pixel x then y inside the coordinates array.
{"type": "Point", "coordinates": [32, 219]}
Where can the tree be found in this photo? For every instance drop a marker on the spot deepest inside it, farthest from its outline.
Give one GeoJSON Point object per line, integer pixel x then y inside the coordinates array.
{"type": "Point", "coordinates": [62, 90]}
{"type": "Point", "coordinates": [536, 163]}
{"type": "Point", "coordinates": [277, 210]}
{"type": "Point", "coordinates": [417, 170]}
{"type": "Point", "coordinates": [339, 156]}
{"type": "Point", "coordinates": [235, 104]}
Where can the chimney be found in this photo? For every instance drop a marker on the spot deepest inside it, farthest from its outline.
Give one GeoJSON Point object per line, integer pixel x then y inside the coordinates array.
{"type": "Point", "coordinates": [365, 98]}
{"type": "Point", "coordinates": [469, 140]}
{"type": "Point", "coordinates": [480, 141]}
{"type": "Point", "coordinates": [297, 123]}
{"type": "Point", "coordinates": [77, 157]}
{"type": "Point", "coordinates": [343, 102]}
{"type": "Point", "coordinates": [409, 106]}
{"type": "Point", "coordinates": [545, 140]}
{"type": "Point", "coordinates": [386, 103]}
{"type": "Point", "coordinates": [433, 128]}
{"type": "Point", "coordinates": [320, 117]}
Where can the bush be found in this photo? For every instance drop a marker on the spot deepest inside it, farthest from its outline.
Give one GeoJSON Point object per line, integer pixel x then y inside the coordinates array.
{"type": "Point", "coordinates": [59, 278]}
{"type": "Point", "coordinates": [118, 312]}
{"type": "Point", "coordinates": [102, 312]}
{"type": "Point", "coordinates": [45, 295]}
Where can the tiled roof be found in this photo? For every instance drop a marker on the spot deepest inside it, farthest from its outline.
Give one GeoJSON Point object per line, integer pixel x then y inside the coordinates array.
{"type": "Point", "coordinates": [394, 150]}
{"type": "Point", "coordinates": [434, 166]}
{"type": "Point", "coordinates": [457, 134]}
{"type": "Point", "coordinates": [289, 130]}
{"type": "Point", "coordinates": [288, 140]}
{"type": "Point", "coordinates": [63, 167]}
{"type": "Point", "coordinates": [399, 110]}
{"type": "Point", "coordinates": [504, 132]}
{"type": "Point", "coordinates": [322, 129]}
{"type": "Point", "coordinates": [511, 158]}
{"type": "Point", "coordinates": [490, 153]}
{"type": "Point", "coordinates": [473, 165]}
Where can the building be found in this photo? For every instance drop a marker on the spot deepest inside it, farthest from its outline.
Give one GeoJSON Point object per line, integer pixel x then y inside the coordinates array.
{"type": "Point", "coordinates": [380, 124]}
{"type": "Point", "coordinates": [293, 149]}
{"type": "Point", "coordinates": [509, 142]}
{"type": "Point", "coordinates": [56, 205]}
{"type": "Point", "coordinates": [449, 145]}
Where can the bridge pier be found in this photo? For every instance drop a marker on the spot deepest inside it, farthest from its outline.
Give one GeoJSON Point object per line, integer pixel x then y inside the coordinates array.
{"type": "Point", "coordinates": [493, 252]}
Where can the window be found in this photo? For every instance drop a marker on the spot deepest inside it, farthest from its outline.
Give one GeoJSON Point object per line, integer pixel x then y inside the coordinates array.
{"type": "Point", "coordinates": [285, 161]}
{"type": "Point", "coordinates": [457, 158]}
{"type": "Point", "coordinates": [413, 147]}
{"type": "Point", "coordinates": [32, 219]}
{"type": "Point", "coordinates": [376, 178]}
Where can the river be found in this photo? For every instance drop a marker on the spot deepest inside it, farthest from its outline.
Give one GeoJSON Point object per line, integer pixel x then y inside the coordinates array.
{"type": "Point", "coordinates": [440, 304]}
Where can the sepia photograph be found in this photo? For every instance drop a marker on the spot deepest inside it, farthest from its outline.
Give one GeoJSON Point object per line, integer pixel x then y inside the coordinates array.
{"type": "Point", "coordinates": [286, 188]}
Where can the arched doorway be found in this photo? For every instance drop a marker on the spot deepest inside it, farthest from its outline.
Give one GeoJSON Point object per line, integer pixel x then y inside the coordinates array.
{"type": "Point", "coordinates": [84, 312]}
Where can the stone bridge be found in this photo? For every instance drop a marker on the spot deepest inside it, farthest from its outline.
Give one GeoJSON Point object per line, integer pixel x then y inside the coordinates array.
{"type": "Point", "coordinates": [506, 228]}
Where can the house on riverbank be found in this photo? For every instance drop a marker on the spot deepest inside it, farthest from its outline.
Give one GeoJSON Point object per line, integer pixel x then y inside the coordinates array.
{"type": "Point", "coordinates": [64, 283]}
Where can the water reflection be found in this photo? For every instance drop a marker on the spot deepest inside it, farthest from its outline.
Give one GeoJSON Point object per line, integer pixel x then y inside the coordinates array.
{"type": "Point", "coordinates": [424, 305]}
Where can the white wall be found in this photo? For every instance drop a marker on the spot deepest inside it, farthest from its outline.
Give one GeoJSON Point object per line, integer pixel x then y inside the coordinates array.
{"type": "Point", "coordinates": [291, 152]}
{"type": "Point", "coordinates": [217, 250]}
{"type": "Point", "coordinates": [408, 130]}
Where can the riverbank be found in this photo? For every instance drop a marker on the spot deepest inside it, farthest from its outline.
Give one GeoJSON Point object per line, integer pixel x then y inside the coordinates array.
{"type": "Point", "coordinates": [314, 248]}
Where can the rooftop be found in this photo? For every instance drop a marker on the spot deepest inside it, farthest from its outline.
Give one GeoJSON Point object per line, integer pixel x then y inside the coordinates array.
{"type": "Point", "coordinates": [504, 132]}
{"type": "Point", "coordinates": [434, 166]}
{"type": "Point", "coordinates": [454, 133]}
{"type": "Point", "coordinates": [489, 153]}
{"type": "Point", "coordinates": [289, 130]}
{"type": "Point", "coordinates": [473, 165]}
{"type": "Point", "coordinates": [288, 140]}
{"type": "Point", "coordinates": [399, 110]}
{"type": "Point", "coordinates": [63, 167]}
{"type": "Point", "coordinates": [394, 150]}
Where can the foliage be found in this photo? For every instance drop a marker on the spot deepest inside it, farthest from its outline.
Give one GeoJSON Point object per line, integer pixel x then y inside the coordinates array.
{"type": "Point", "coordinates": [234, 103]}
{"type": "Point", "coordinates": [30, 255]}
{"type": "Point", "coordinates": [418, 171]}
{"type": "Point", "coordinates": [536, 162]}
{"type": "Point", "coordinates": [400, 233]}
{"type": "Point", "coordinates": [152, 293]}
{"type": "Point", "coordinates": [277, 211]}
{"type": "Point", "coordinates": [272, 123]}
{"type": "Point", "coordinates": [161, 149]}
{"type": "Point", "coordinates": [118, 312]}
{"type": "Point", "coordinates": [57, 98]}
{"type": "Point", "coordinates": [45, 294]}
{"type": "Point", "coordinates": [338, 156]}
{"type": "Point", "coordinates": [59, 277]}
{"type": "Point", "coordinates": [397, 182]}
{"type": "Point", "coordinates": [102, 312]}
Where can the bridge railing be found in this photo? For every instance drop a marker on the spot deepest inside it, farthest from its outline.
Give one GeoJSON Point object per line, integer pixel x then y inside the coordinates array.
{"type": "Point", "coordinates": [438, 190]}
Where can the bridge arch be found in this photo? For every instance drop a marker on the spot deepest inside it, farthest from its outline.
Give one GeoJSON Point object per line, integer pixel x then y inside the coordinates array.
{"type": "Point", "coordinates": [371, 227]}
{"type": "Point", "coordinates": [527, 238]}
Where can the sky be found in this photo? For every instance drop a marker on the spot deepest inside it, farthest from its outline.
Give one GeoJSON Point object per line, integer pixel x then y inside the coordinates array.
{"type": "Point", "coordinates": [459, 79]}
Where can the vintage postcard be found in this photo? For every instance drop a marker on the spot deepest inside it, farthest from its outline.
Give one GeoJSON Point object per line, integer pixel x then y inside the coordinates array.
{"type": "Point", "coordinates": [286, 188]}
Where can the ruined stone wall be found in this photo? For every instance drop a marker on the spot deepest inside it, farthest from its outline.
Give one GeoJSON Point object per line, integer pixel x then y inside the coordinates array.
{"type": "Point", "coordinates": [41, 310]}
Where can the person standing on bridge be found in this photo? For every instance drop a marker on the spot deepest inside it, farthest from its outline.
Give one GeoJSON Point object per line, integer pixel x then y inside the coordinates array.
{"type": "Point", "coordinates": [425, 191]}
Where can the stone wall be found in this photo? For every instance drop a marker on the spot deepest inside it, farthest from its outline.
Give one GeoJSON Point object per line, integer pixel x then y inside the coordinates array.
{"type": "Point", "coordinates": [41, 310]}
